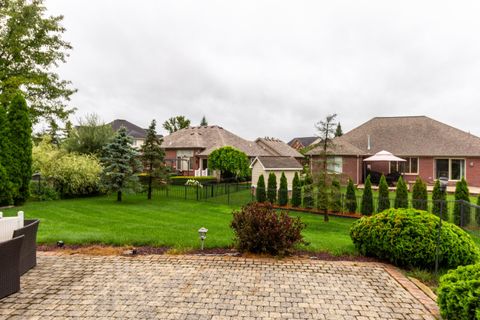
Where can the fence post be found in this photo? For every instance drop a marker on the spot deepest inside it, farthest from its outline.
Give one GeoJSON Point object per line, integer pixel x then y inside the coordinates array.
{"type": "Point", "coordinates": [437, 253]}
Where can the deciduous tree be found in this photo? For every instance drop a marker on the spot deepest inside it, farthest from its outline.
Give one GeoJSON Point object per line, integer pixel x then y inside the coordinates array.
{"type": "Point", "coordinates": [176, 123]}
{"type": "Point", "coordinates": [89, 137]}
{"type": "Point", "coordinates": [230, 161]}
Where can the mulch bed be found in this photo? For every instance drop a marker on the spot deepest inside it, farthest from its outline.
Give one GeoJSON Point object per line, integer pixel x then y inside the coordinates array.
{"type": "Point", "coordinates": [330, 213]}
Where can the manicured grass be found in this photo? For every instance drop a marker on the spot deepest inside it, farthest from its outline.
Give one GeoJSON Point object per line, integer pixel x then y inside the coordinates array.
{"type": "Point", "coordinates": [162, 222]}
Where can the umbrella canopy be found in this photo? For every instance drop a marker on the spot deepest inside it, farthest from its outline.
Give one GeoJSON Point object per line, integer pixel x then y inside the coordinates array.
{"type": "Point", "coordinates": [384, 156]}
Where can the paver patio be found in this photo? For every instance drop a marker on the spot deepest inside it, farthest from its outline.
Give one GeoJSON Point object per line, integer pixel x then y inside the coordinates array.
{"type": "Point", "coordinates": [209, 287]}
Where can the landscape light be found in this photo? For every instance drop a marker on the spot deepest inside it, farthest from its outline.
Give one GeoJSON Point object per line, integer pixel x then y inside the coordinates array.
{"type": "Point", "coordinates": [202, 232]}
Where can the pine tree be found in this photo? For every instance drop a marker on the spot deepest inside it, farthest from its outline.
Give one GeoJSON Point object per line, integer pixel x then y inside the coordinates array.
{"type": "Point", "coordinates": [461, 209]}
{"type": "Point", "coordinates": [401, 196]}
{"type": "Point", "coordinates": [439, 206]}
{"type": "Point", "coordinates": [272, 188]}
{"type": "Point", "coordinates": [383, 195]}
{"type": "Point", "coordinates": [323, 201]}
{"type": "Point", "coordinates": [367, 198]}
{"type": "Point", "coordinates": [351, 197]}
{"type": "Point", "coordinates": [204, 121]}
{"type": "Point", "coordinates": [283, 191]}
{"type": "Point", "coordinates": [308, 201]}
{"type": "Point", "coordinates": [152, 156]}
{"type": "Point", "coordinates": [19, 134]}
{"type": "Point", "coordinates": [338, 131]}
{"type": "Point", "coordinates": [121, 165]}
{"type": "Point", "coordinates": [260, 192]}
{"type": "Point", "coordinates": [335, 196]}
{"type": "Point", "coordinates": [296, 191]}
{"type": "Point", "coordinates": [420, 195]}
{"type": "Point", "coordinates": [5, 161]}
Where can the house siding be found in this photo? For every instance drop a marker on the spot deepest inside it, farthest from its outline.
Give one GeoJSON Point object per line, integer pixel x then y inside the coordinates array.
{"type": "Point", "coordinates": [473, 171]}
{"type": "Point", "coordinates": [350, 168]}
{"type": "Point", "coordinates": [258, 170]}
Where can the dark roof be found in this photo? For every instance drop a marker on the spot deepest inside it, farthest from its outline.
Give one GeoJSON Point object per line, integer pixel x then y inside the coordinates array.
{"type": "Point", "coordinates": [305, 141]}
{"type": "Point", "coordinates": [270, 163]}
{"type": "Point", "coordinates": [132, 129]}
{"type": "Point", "coordinates": [277, 147]}
{"type": "Point", "coordinates": [409, 136]}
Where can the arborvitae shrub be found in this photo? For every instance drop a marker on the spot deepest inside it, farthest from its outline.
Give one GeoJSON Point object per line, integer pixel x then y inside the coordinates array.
{"type": "Point", "coordinates": [351, 197]}
{"type": "Point", "coordinates": [335, 196]}
{"type": "Point", "coordinates": [461, 209]}
{"type": "Point", "coordinates": [401, 197]}
{"type": "Point", "coordinates": [367, 198]}
{"type": "Point", "coordinates": [439, 201]}
{"type": "Point", "coordinates": [383, 195]}
{"type": "Point", "coordinates": [296, 191]}
{"type": "Point", "coordinates": [420, 195]}
{"type": "Point", "coordinates": [272, 188]}
{"type": "Point", "coordinates": [477, 211]}
{"type": "Point", "coordinates": [260, 192]}
{"type": "Point", "coordinates": [308, 200]}
{"type": "Point", "coordinates": [283, 191]}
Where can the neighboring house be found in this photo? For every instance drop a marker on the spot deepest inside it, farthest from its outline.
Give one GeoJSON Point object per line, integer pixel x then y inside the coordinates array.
{"type": "Point", "coordinates": [432, 150]}
{"type": "Point", "coordinates": [302, 142]}
{"type": "Point", "coordinates": [187, 150]}
{"type": "Point", "coordinates": [266, 165]}
{"type": "Point", "coordinates": [138, 134]}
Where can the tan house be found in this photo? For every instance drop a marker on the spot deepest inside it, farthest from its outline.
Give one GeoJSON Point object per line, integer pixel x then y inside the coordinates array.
{"type": "Point", "coordinates": [266, 165]}
{"type": "Point", "coordinates": [138, 134]}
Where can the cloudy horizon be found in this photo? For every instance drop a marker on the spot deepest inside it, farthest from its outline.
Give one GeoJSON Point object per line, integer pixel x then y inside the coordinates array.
{"type": "Point", "coordinates": [273, 68]}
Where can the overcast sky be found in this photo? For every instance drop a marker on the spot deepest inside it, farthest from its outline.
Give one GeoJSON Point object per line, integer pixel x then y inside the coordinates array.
{"type": "Point", "coordinates": [274, 68]}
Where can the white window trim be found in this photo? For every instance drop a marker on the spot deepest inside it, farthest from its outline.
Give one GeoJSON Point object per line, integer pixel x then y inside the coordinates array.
{"type": "Point", "coordinates": [449, 167]}
{"type": "Point", "coordinates": [409, 160]}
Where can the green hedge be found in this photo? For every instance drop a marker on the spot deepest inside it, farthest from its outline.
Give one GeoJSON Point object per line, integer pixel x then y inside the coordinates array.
{"type": "Point", "coordinates": [408, 238]}
{"type": "Point", "coordinates": [459, 293]}
{"type": "Point", "coordinates": [181, 180]}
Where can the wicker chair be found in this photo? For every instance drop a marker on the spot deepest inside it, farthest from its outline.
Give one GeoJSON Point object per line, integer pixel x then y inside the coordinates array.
{"type": "Point", "coordinates": [28, 253]}
{"type": "Point", "coordinates": [9, 266]}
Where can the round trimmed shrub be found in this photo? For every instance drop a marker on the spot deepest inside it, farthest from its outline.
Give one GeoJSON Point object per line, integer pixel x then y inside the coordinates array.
{"type": "Point", "coordinates": [459, 293]}
{"type": "Point", "coordinates": [408, 238]}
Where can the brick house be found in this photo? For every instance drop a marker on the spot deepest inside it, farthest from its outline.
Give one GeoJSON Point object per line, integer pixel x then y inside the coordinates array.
{"type": "Point", "coordinates": [432, 150]}
{"type": "Point", "coordinates": [187, 150]}
{"type": "Point", "coordinates": [137, 133]}
{"type": "Point", "coordinates": [302, 142]}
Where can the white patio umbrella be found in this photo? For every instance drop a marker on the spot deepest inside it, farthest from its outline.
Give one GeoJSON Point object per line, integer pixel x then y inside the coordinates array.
{"type": "Point", "coordinates": [384, 156]}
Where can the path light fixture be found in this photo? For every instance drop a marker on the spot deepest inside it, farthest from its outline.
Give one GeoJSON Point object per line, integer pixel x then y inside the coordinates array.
{"type": "Point", "coordinates": [202, 232]}
{"type": "Point", "coordinates": [443, 189]}
{"type": "Point", "coordinates": [60, 244]}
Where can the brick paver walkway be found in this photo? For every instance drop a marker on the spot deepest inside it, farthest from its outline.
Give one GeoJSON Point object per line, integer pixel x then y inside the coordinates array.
{"type": "Point", "coordinates": [195, 287]}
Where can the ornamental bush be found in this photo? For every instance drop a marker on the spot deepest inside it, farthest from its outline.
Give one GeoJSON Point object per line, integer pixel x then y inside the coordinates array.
{"type": "Point", "coordinates": [459, 293]}
{"type": "Point", "coordinates": [408, 238]}
{"type": "Point", "coordinates": [440, 205]}
{"type": "Point", "coordinates": [296, 191]}
{"type": "Point", "coordinates": [420, 195]}
{"type": "Point", "coordinates": [351, 197]}
{"type": "Point", "coordinates": [367, 198]}
{"type": "Point", "coordinates": [461, 208]}
{"type": "Point", "coordinates": [260, 192]}
{"type": "Point", "coordinates": [272, 188]}
{"type": "Point", "coordinates": [401, 197]}
{"type": "Point", "coordinates": [383, 195]}
{"type": "Point", "coordinates": [283, 191]}
{"type": "Point", "coordinates": [335, 196]}
{"type": "Point", "coordinates": [259, 229]}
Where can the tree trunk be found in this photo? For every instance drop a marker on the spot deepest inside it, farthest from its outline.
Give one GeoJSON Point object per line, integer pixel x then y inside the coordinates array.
{"type": "Point", "coordinates": [119, 196]}
{"type": "Point", "coordinates": [325, 215]}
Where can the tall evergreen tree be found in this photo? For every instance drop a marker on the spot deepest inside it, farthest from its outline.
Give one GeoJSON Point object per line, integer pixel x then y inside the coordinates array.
{"type": "Point", "coordinates": [351, 197]}
{"type": "Point", "coordinates": [296, 191]}
{"type": "Point", "coordinates": [401, 196]}
{"type": "Point", "coordinates": [367, 198]}
{"type": "Point", "coordinates": [323, 200]}
{"type": "Point", "coordinates": [335, 196]}
{"type": "Point", "coordinates": [383, 195]}
{"type": "Point", "coordinates": [477, 211]}
{"type": "Point", "coordinates": [272, 188]}
{"type": "Point", "coordinates": [121, 165]}
{"type": "Point", "coordinates": [19, 133]}
{"type": "Point", "coordinates": [461, 209]}
{"type": "Point", "coordinates": [152, 156]}
{"type": "Point", "coordinates": [308, 200]}
{"type": "Point", "coordinates": [283, 191]}
{"type": "Point", "coordinates": [420, 195]}
{"type": "Point", "coordinates": [5, 160]}
{"type": "Point", "coordinates": [439, 206]}
{"type": "Point", "coordinates": [260, 192]}
{"type": "Point", "coordinates": [204, 121]}
{"type": "Point", "coordinates": [338, 131]}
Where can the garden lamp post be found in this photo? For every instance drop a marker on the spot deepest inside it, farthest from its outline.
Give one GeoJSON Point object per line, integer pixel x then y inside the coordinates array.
{"type": "Point", "coordinates": [202, 232]}
{"type": "Point", "coordinates": [443, 189]}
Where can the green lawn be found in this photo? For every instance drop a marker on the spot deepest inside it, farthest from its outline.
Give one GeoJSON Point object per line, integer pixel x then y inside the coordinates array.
{"type": "Point", "coordinates": [162, 222]}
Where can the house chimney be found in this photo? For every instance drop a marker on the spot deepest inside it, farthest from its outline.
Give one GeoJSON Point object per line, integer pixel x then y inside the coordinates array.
{"type": "Point", "coordinates": [368, 142]}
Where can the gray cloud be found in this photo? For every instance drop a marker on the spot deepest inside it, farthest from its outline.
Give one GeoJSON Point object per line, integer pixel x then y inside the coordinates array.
{"type": "Point", "coordinates": [274, 68]}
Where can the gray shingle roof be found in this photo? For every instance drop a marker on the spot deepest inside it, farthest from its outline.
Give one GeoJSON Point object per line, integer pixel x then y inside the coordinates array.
{"type": "Point", "coordinates": [305, 141]}
{"type": "Point", "coordinates": [277, 147]}
{"type": "Point", "coordinates": [270, 163]}
{"type": "Point", "coordinates": [410, 136]}
{"type": "Point", "coordinates": [133, 130]}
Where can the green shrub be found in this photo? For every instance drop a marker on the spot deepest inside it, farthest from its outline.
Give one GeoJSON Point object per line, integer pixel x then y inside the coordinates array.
{"type": "Point", "coordinates": [401, 197]}
{"type": "Point", "coordinates": [260, 193]}
{"type": "Point", "coordinates": [181, 180]}
{"type": "Point", "coordinates": [459, 293]}
{"type": "Point", "coordinates": [351, 197]}
{"type": "Point", "coordinates": [272, 188]}
{"type": "Point", "coordinates": [308, 201]}
{"type": "Point", "coordinates": [383, 195]}
{"type": "Point", "coordinates": [461, 210]}
{"type": "Point", "coordinates": [477, 211]}
{"type": "Point", "coordinates": [408, 237]}
{"type": "Point", "coordinates": [367, 198]}
{"type": "Point", "coordinates": [296, 191]}
{"type": "Point", "coordinates": [259, 229]}
{"type": "Point", "coordinates": [420, 195]}
{"type": "Point", "coordinates": [283, 191]}
{"type": "Point", "coordinates": [42, 191]}
{"type": "Point", "coordinates": [440, 204]}
{"type": "Point", "coordinates": [335, 196]}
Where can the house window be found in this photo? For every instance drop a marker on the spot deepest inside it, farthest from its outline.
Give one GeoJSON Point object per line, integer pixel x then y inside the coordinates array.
{"type": "Point", "coordinates": [453, 169]}
{"type": "Point", "coordinates": [409, 167]}
{"type": "Point", "coordinates": [335, 164]}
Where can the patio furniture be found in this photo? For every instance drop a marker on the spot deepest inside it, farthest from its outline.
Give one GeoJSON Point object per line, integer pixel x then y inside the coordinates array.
{"type": "Point", "coordinates": [9, 224]}
{"type": "Point", "coordinates": [9, 266]}
{"type": "Point", "coordinates": [28, 251]}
